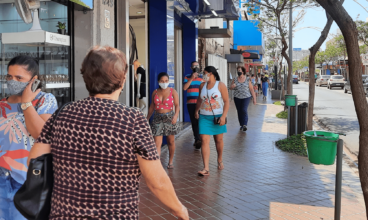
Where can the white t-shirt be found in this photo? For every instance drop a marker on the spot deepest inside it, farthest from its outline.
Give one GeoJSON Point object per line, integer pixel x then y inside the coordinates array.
{"type": "Point", "coordinates": [214, 96]}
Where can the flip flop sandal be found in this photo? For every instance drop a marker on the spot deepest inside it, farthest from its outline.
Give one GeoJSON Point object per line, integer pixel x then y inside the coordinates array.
{"type": "Point", "coordinates": [220, 167]}
{"type": "Point", "coordinates": [204, 173]}
{"type": "Point", "coordinates": [170, 166]}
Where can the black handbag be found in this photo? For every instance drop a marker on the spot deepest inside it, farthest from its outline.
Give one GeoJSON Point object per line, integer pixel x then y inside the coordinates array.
{"type": "Point", "coordinates": [216, 120]}
{"type": "Point", "coordinates": [33, 199]}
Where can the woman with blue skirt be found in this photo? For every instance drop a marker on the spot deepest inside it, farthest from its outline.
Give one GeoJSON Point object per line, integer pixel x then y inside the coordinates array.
{"type": "Point", "coordinates": [211, 110]}
{"type": "Point", "coordinates": [264, 80]}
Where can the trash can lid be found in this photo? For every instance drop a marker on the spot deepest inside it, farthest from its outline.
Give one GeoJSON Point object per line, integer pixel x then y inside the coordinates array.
{"type": "Point", "coordinates": [322, 135]}
{"type": "Point", "coordinates": [291, 96]}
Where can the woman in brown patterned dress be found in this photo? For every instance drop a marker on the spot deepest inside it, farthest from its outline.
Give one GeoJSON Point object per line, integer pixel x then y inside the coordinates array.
{"type": "Point", "coordinates": [100, 149]}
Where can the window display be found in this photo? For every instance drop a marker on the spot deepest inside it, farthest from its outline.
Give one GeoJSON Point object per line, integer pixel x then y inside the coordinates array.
{"type": "Point", "coordinates": [53, 59]}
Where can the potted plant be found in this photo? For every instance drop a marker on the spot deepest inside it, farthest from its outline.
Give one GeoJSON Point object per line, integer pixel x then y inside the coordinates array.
{"type": "Point", "coordinates": [61, 27]}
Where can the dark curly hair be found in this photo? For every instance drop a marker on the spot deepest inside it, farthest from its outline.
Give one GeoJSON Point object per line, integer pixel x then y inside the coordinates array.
{"type": "Point", "coordinates": [242, 68]}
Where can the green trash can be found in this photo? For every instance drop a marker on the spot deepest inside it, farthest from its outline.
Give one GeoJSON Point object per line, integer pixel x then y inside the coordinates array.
{"type": "Point", "coordinates": [321, 146]}
{"type": "Point", "coordinates": [290, 100]}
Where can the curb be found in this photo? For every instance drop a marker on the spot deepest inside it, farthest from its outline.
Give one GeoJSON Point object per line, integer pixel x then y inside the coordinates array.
{"type": "Point", "coordinates": [351, 156]}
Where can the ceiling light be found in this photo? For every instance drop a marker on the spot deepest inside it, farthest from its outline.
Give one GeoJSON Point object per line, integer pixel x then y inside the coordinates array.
{"type": "Point", "coordinates": [139, 12]}
{"type": "Point", "coordinates": [207, 2]}
{"type": "Point", "coordinates": [213, 12]}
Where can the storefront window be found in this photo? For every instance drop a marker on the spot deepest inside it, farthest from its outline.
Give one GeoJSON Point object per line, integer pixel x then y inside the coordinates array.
{"type": "Point", "coordinates": [53, 59]}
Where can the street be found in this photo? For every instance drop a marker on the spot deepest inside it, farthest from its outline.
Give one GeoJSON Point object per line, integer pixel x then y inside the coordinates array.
{"type": "Point", "coordinates": [335, 109]}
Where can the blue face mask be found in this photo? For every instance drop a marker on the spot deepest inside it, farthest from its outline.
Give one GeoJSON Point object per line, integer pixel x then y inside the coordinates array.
{"type": "Point", "coordinates": [15, 87]}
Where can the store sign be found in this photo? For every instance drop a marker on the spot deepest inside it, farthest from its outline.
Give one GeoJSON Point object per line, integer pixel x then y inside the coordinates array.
{"type": "Point", "coordinates": [107, 19]}
{"type": "Point", "coordinates": [108, 2]}
{"type": "Point", "coordinates": [365, 59]}
{"type": "Point", "coordinates": [246, 55]}
{"type": "Point", "coordinates": [58, 39]}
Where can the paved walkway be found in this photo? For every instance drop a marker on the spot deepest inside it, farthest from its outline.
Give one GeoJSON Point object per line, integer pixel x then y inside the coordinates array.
{"type": "Point", "coordinates": [259, 181]}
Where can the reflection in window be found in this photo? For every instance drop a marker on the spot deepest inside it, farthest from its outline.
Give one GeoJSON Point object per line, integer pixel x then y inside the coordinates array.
{"type": "Point", "coordinates": [53, 60]}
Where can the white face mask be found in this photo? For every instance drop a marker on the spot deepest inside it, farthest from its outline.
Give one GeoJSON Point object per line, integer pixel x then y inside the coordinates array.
{"type": "Point", "coordinates": [206, 77]}
{"type": "Point", "coordinates": [164, 85]}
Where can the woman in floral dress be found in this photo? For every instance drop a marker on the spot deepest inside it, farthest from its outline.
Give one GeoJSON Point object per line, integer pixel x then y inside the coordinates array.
{"type": "Point", "coordinates": [23, 115]}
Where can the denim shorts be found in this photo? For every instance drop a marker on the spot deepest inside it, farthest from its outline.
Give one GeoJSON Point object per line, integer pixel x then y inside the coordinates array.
{"type": "Point", "coordinates": [8, 187]}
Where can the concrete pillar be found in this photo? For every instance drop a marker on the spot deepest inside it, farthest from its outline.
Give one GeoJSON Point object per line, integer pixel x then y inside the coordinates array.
{"type": "Point", "coordinates": [90, 30]}
{"type": "Point", "coordinates": [103, 35]}
{"type": "Point", "coordinates": [83, 32]}
{"type": "Point", "coordinates": [123, 43]}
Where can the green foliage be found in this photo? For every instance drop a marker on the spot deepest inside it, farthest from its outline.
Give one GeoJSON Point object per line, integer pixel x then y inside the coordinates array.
{"type": "Point", "coordinates": [295, 144]}
{"type": "Point", "coordinates": [362, 28]}
{"type": "Point", "coordinates": [300, 64]}
{"type": "Point", "coordinates": [61, 25]}
{"type": "Point", "coordinates": [321, 57]}
{"type": "Point", "coordinates": [363, 49]}
{"type": "Point", "coordinates": [331, 52]}
{"type": "Point", "coordinates": [277, 103]}
{"type": "Point", "coordinates": [282, 115]}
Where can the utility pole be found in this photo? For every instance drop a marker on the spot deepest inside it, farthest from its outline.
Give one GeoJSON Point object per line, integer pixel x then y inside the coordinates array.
{"type": "Point", "coordinates": [291, 43]}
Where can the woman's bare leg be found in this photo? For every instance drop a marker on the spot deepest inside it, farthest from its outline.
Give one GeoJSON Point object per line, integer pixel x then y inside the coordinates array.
{"type": "Point", "coordinates": [206, 151]}
{"type": "Point", "coordinates": [158, 141]}
{"type": "Point", "coordinates": [220, 148]}
{"type": "Point", "coordinates": [171, 144]}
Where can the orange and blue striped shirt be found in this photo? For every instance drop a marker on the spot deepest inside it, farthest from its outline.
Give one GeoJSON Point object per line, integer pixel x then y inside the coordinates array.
{"type": "Point", "coordinates": [193, 90]}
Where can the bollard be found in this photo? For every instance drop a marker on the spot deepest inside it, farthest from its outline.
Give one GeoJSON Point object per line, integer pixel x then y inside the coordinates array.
{"type": "Point", "coordinates": [296, 115]}
{"type": "Point", "coordinates": [288, 122]}
{"type": "Point", "coordinates": [338, 180]}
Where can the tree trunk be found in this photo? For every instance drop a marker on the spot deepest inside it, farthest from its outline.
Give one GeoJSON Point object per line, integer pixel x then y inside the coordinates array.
{"type": "Point", "coordinates": [282, 82]}
{"type": "Point", "coordinates": [283, 52]}
{"type": "Point", "coordinates": [350, 33]}
{"type": "Point", "coordinates": [312, 69]}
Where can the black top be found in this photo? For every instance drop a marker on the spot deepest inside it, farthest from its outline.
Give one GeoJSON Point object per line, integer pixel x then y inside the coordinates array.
{"type": "Point", "coordinates": [141, 71]}
{"type": "Point", "coordinates": [264, 79]}
{"type": "Point", "coordinates": [142, 90]}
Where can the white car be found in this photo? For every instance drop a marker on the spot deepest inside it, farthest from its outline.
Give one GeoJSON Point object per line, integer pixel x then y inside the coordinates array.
{"type": "Point", "coordinates": [322, 80]}
{"type": "Point", "coordinates": [336, 81]}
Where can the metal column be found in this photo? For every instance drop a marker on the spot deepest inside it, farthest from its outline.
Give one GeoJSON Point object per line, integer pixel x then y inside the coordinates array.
{"type": "Point", "coordinates": [291, 43]}
{"type": "Point", "coordinates": [338, 180]}
{"type": "Point", "coordinates": [288, 122]}
{"type": "Point", "coordinates": [296, 115]}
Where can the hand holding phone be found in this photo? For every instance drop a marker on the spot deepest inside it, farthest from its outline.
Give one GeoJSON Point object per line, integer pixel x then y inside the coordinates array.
{"type": "Point", "coordinates": [31, 91]}
{"type": "Point", "coordinates": [35, 84]}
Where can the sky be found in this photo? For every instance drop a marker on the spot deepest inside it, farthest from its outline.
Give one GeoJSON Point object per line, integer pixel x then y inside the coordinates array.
{"type": "Point", "coordinates": [306, 38]}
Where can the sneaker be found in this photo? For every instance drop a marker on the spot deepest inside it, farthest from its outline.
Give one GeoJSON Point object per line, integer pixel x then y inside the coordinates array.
{"type": "Point", "coordinates": [241, 128]}
{"type": "Point", "coordinates": [198, 144]}
{"type": "Point", "coordinates": [244, 128]}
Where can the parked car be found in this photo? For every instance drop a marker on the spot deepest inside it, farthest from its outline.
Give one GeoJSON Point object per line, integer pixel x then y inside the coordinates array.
{"type": "Point", "coordinates": [295, 79]}
{"type": "Point", "coordinates": [322, 80]}
{"type": "Point", "coordinates": [365, 84]}
{"type": "Point", "coordinates": [347, 87]}
{"type": "Point", "coordinates": [336, 81]}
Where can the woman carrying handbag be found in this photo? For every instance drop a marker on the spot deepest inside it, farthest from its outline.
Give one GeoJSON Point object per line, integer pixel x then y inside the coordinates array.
{"type": "Point", "coordinates": [213, 103]}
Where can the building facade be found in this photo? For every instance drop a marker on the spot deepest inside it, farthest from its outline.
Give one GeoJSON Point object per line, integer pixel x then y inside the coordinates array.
{"type": "Point", "coordinates": [161, 34]}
